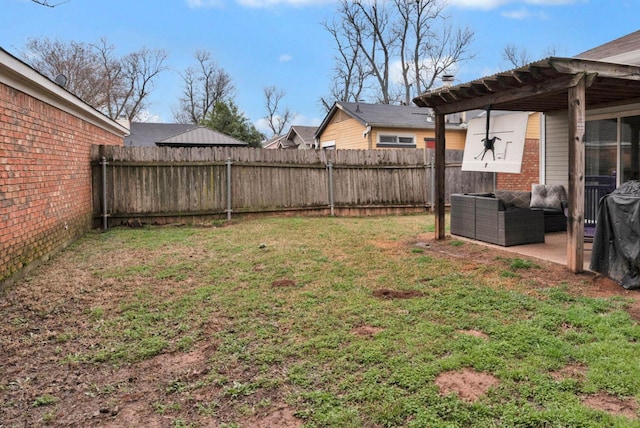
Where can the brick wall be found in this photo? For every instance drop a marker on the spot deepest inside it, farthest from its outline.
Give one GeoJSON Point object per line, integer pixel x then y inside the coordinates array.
{"type": "Point", "coordinates": [45, 178]}
{"type": "Point", "coordinates": [530, 172]}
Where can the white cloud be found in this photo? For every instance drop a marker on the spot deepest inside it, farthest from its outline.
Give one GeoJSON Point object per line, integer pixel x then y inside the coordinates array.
{"type": "Point", "coordinates": [148, 117]}
{"type": "Point", "coordinates": [285, 58]}
{"type": "Point", "coordinates": [524, 13]}
{"type": "Point", "coordinates": [270, 3]}
{"type": "Point", "coordinates": [494, 4]}
{"type": "Point", "coordinates": [478, 4]}
{"type": "Point", "coordinates": [262, 126]}
{"type": "Point", "coordinates": [201, 4]}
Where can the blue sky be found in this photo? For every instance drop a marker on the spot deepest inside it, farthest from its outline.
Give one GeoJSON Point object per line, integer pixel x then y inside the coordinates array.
{"type": "Point", "coordinates": [282, 43]}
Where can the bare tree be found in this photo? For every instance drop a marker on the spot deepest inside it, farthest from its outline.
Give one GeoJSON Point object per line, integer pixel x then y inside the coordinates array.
{"type": "Point", "coordinates": [434, 47]}
{"type": "Point", "coordinates": [118, 87]}
{"type": "Point", "coordinates": [350, 73]}
{"type": "Point", "coordinates": [369, 24]}
{"type": "Point", "coordinates": [79, 62]}
{"type": "Point", "coordinates": [381, 35]}
{"type": "Point", "coordinates": [277, 117]}
{"type": "Point", "coordinates": [205, 84]}
{"type": "Point", "coordinates": [516, 56]}
{"type": "Point", "coordinates": [48, 4]}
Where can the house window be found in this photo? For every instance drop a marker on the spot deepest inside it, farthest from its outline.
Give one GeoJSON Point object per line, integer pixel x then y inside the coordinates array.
{"type": "Point", "coordinates": [397, 141]}
{"type": "Point", "coordinates": [329, 145]}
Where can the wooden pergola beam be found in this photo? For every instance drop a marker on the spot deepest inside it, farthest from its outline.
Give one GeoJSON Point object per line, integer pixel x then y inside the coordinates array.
{"type": "Point", "coordinates": [575, 222]}
{"type": "Point", "coordinates": [603, 69]}
{"type": "Point", "coordinates": [515, 94]}
{"type": "Point", "coordinates": [439, 172]}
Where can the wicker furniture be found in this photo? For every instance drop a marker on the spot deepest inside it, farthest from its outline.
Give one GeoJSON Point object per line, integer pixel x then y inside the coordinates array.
{"type": "Point", "coordinates": [487, 218]}
{"type": "Point", "coordinates": [552, 200]}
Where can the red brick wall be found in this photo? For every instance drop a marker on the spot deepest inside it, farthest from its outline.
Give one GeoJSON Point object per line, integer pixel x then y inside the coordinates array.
{"type": "Point", "coordinates": [45, 178]}
{"type": "Point", "coordinates": [530, 172]}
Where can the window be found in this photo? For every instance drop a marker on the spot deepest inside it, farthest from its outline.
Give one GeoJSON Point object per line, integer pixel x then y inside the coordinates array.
{"type": "Point", "coordinates": [613, 148]}
{"type": "Point", "coordinates": [397, 141]}
{"type": "Point", "coordinates": [329, 145]}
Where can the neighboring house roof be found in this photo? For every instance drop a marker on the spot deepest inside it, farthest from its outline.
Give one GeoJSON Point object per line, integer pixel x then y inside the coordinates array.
{"type": "Point", "coordinates": [273, 142]}
{"type": "Point", "coordinates": [148, 134]}
{"type": "Point", "coordinates": [623, 50]}
{"type": "Point", "coordinates": [201, 137]}
{"type": "Point", "coordinates": [176, 135]}
{"type": "Point", "coordinates": [383, 116]}
{"type": "Point", "coordinates": [19, 75]}
{"type": "Point", "coordinates": [304, 133]}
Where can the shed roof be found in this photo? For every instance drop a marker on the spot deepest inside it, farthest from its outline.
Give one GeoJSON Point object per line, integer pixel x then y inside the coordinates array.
{"type": "Point", "coordinates": [540, 86]}
{"type": "Point", "coordinates": [143, 134]}
{"type": "Point", "coordinates": [201, 136]}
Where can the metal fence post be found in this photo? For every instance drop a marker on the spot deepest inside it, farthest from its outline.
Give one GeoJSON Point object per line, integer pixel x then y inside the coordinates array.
{"type": "Point", "coordinates": [331, 200]}
{"type": "Point", "coordinates": [105, 212]}
{"type": "Point", "coordinates": [433, 187]}
{"type": "Point", "coordinates": [228, 210]}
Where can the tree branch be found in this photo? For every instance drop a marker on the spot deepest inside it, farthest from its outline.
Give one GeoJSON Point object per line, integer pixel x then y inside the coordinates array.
{"type": "Point", "coordinates": [47, 4]}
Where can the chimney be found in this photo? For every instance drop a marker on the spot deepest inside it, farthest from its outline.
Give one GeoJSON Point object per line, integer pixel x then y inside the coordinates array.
{"type": "Point", "coordinates": [447, 80]}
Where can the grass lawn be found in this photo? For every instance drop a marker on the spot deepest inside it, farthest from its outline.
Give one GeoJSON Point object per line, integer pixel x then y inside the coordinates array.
{"type": "Point", "coordinates": [318, 322]}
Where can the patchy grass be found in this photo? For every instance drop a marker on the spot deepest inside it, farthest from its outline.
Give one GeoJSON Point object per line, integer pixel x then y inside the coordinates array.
{"type": "Point", "coordinates": [260, 323]}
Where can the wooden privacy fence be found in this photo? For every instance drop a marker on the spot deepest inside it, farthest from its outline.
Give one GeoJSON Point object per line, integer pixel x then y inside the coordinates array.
{"type": "Point", "coordinates": [160, 185]}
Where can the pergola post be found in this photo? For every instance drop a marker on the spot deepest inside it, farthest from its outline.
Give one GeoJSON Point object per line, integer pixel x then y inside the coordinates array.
{"type": "Point", "coordinates": [575, 225]}
{"type": "Point", "coordinates": [439, 176]}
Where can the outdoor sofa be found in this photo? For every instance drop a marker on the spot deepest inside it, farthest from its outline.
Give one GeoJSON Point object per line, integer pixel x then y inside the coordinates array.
{"type": "Point", "coordinates": [509, 217]}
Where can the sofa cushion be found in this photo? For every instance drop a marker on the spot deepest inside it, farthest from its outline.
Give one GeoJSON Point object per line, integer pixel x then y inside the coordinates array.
{"type": "Point", "coordinates": [514, 198]}
{"type": "Point", "coordinates": [548, 196]}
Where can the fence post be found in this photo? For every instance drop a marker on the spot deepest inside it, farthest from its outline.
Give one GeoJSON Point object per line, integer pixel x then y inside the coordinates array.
{"type": "Point", "coordinates": [105, 212]}
{"type": "Point", "coordinates": [331, 201]}
{"type": "Point", "coordinates": [228, 210]}
{"type": "Point", "coordinates": [433, 187]}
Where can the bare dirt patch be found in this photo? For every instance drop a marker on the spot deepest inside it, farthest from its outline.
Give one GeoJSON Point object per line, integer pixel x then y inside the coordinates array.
{"type": "Point", "coordinates": [282, 417]}
{"type": "Point", "coordinates": [367, 330]}
{"type": "Point", "coordinates": [283, 283]}
{"type": "Point", "coordinates": [385, 293]}
{"type": "Point", "coordinates": [572, 371]}
{"type": "Point", "coordinates": [611, 404]}
{"type": "Point", "coordinates": [474, 333]}
{"type": "Point", "coordinates": [468, 384]}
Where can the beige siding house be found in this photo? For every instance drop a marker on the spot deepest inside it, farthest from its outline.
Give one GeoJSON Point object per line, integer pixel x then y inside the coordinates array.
{"type": "Point", "coordinates": [383, 126]}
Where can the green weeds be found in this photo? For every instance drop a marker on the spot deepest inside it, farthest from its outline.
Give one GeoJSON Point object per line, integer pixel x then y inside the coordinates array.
{"type": "Point", "coordinates": [335, 353]}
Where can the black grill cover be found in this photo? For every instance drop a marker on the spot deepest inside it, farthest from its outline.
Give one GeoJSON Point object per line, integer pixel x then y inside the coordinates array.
{"type": "Point", "coordinates": [616, 244]}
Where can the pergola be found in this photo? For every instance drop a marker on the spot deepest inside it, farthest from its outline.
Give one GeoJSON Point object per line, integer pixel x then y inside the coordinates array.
{"type": "Point", "coordinates": [552, 84]}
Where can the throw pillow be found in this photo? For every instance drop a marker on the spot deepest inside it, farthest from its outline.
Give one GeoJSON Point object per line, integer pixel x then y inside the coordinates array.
{"type": "Point", "coordinates": [548, 196]}
{"type": "Point", "coordinates": [515, 198]}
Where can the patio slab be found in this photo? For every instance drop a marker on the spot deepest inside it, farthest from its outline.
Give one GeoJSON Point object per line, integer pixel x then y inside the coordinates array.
{"type": "Point", "coordinates": [554, 249]}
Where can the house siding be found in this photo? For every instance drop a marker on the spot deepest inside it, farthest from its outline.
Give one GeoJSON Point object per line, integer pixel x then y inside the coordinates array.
{"type": "Point", "coordinates": [347, 133]}
{"type": "Point", "coordinates": [45, 178]}
{"type": "Point", "coordinates": [557, 148]}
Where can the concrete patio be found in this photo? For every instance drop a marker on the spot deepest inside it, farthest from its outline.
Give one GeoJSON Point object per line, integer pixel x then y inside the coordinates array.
{"type": "Point", "coordinates": [554, 249]}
